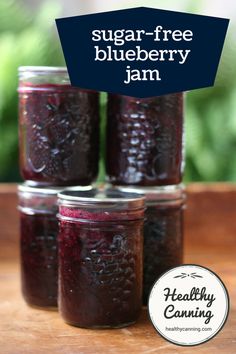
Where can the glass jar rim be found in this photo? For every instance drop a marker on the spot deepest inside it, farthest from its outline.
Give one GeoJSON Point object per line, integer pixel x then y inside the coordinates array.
{"type": "Point", "coordinates": [101, 197]}
{"type": "Point", "coordinates": [157, 193]}
{"type": "Point", "coordinates": [47, 191]}
{"type": "Point", "coordinates": [43, 69]}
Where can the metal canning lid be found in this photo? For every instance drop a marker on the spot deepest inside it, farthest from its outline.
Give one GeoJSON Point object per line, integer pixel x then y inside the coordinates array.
{"type": "Point", "coordinates": [37, 200]}
{"type": "Point", "coordinates": [42, 69]}
{"type": "Point", "coordinates": [102, 198]}
{"type": "Point", "coordinates": [160, 193]}
{"type": "Point", "coordinates": [37, 78]}
{"type": "Point", "coordinates": [46, 79]}
{"type": "Point", "coordinates": [40, 200]}
{"type": "Point", "coordinates": [48, 191]}
{"type": "Point", "coordinates": [24, 188]}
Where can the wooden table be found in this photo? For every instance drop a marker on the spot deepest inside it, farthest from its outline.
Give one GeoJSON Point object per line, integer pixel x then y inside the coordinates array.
{"type": "Point", "coordinates": [210, 240]}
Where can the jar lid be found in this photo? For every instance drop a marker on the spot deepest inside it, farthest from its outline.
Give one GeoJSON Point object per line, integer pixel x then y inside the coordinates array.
{"type": "Point", "coordinates": [100, 205]}
{"type": "Point", "coordinates": [160, 193]}
{"type": "Point", "coordinates": [102, 198]}
{"type": "Point", "coordinates": [40, 200]}
{"type": "Point", "coordinates": [26, 188]}
{"type": "Point", "coordinates": [42, 69]}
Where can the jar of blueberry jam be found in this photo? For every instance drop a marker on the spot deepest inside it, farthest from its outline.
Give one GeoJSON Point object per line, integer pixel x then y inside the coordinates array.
{"type": "Point", "coordinates": [144, 140]}
{"type": "Point", "coordinates": [38, 245]}
{"type": "Point", "coordinates": [100, 258]}
{"type": "Point", "coordinates": [58, 128]}
{"type": "Point", "coordinates": [163, 232]}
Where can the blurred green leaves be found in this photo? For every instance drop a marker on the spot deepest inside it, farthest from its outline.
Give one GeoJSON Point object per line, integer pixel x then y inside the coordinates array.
{"type": "Point", "coordinates": [103, 102]}
{"type": "Point", "coordinates": [211, 135]}
{"type": "Point", "coordinates": [25, 39]}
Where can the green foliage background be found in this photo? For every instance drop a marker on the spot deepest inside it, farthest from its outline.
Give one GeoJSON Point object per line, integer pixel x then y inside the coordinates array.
{"type": "Point", "coordinates": [25, 39]}
{"type": "Point", "coordinates": [210, 124]}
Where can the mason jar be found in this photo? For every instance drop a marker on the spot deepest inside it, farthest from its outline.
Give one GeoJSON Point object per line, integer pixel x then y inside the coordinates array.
{"type": "Point", "coordinates": [145, 140]}
{"type": "Point", "coordinates": [58, 128]}
{"type": "Point", "coordinates": [38, 245]}
{"type": "Point", "coordinates": [163, 231]}
{"type": "Point", "coordinates": [100, 258]}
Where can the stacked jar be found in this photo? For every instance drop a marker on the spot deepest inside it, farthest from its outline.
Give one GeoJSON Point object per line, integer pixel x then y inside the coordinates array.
{"type": "Point", "coordinates": [58, 147]}
{"type": "Point", "coordinates": [145, 152]}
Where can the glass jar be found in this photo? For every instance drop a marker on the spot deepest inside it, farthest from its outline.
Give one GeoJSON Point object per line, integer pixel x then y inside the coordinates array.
{"type": "Point", "coordinates": [58, 128]}
{"type": "Point", "coordinates": [38, 245]}
{"type": "Point", "coordinates": [144, 140]}
{"type": "Point", "coordinates": [163, 231]}
{"type": "Point", "coordinates": [163, 235]}
{"type": "Point", "coordinates": [100, 258]}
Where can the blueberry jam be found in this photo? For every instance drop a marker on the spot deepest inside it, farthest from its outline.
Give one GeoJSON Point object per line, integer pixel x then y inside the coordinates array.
{"type": "Point", "coordinates": [144, 140]}
{"type": "Point", "coordinates": [39, 264]}
{"type": "Point", "coordinates": [59, 134]}
{"type": "Point", "coordinates": [163, 242]}
{"type": "Point", "coordinates": [38, 244]}
{"type": "Point", "coordinates": [100, 265]}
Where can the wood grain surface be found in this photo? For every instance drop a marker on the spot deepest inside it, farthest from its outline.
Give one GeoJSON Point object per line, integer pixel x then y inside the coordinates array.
{"type": "Point", "coordinates": [210, 240]}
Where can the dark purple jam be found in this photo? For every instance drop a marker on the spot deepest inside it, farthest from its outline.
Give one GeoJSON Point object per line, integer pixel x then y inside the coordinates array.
{"type": "Point", "coordinates": [163, 243]}
{"type": "Point", "coordinates": [100, 270]}
{"type": "Point", "coordinates": [144, 140]}
{"type": "Point", "coordinates": [59, 134]}
{"type": "Point", "coordinates": [39, 265]}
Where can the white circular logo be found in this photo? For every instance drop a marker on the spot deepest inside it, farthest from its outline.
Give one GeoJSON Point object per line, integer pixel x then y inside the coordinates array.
{"type": "Point", "coordinates": [188, 305]}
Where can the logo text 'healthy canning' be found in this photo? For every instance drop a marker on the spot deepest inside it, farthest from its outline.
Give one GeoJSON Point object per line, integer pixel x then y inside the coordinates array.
{"type": "Point", "coordinates": [195, 294]}
{"type": "Point", "coordinates": [188, 305]}
{"type": "Point", "coordinates": [142, 52]}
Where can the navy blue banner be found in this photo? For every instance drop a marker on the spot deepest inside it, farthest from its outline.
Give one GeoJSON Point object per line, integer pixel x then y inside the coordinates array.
{"type": "Point", "coordinates": [142, 52]}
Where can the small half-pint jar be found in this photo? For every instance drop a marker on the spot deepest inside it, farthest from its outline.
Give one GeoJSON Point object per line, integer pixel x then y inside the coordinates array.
{"type": "Point", "coordinates": [38, 245]}
{"type": "Point", "coordinates": [163, 232]}
{"type": "Point", "coordinates": [100, 258]}
{"type": "Point", "coordinates": [145, 140]}
{"type": "Point", "coordinates": [58, 129]}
